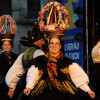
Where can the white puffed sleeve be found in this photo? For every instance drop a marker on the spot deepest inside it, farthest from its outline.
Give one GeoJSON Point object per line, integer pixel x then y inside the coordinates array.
{"type": "Point", "coordinates": [33, 72]}
{"type": "Point", "coordinates": [32, 77]}
{"type": "Point", "coordinates": [13, 73]}
{"type": "Point", "coordinates": [38, 52]}
{"type": "Point", "coordinates": [79, 77]}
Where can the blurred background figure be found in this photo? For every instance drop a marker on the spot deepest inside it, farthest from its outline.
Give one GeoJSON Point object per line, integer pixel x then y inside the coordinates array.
{"type": "Point", "coordinates": [96, 75]}
{"type": "Point", "coordinates": [7, 57]}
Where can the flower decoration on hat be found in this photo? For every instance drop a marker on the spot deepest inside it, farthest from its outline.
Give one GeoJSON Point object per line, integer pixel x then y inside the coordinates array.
{"type": "Point", "coordinates": [8, 27]}
{"type": "Point", "coordinates": [57, 10]}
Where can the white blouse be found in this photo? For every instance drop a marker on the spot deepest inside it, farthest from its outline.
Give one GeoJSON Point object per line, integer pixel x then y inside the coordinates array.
{"type": "Point", "coordinates": [17, 70]}
{"type": "Point", "coordinates": [77, 74]}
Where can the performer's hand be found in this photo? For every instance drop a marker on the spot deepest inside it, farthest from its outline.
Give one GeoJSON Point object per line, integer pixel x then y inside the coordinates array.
{"type": "Point", "coordinates": [91, 94]}
{"type": "Point", "coordinates": [11, 93]}
{"type": "Point", "coordinates": [27, 91]}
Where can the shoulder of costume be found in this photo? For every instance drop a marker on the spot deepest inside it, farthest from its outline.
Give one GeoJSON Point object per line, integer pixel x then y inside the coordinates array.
{"type": "Point", "coordinates": [1, 54]}
{"type": "Point", "coordinates": [65, 62]}
{"type": "Point", "coordinates": [30, 51]}
{"type": "Point", "coordinates": [14, 54]}
{"type": "Point", "coordinates": [40, 62]}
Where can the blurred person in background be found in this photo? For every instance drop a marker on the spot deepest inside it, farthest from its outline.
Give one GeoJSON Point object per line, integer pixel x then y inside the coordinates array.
{"type": "Point", "coordinates": [95, 79]}
{"type": "Point", "coordinates": [7, 58]}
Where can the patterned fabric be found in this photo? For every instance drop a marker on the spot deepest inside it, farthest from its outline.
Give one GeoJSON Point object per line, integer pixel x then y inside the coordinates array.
{"type": "Point", "coordinates": [7, 25]}
{"type": "Point", "coordinates": [52, 65]}
{"type": "Point", "coordinates": [53, 76]}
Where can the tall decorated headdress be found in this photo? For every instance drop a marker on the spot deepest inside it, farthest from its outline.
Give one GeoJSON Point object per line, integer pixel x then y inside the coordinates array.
{"type": "Point", "coordinates": [57, 19]}
{"type": "Point", "coordinates": [8, 27]}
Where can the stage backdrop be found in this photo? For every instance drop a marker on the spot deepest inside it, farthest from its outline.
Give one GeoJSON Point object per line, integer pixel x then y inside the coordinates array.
{"type": "Point", "coordinates": [73, 40]}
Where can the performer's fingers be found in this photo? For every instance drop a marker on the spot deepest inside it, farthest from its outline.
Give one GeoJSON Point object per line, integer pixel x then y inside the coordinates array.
{"type": "Point", "coordinates": [92, 95]}
{"type": "Point", "coordinates": [26, 92]}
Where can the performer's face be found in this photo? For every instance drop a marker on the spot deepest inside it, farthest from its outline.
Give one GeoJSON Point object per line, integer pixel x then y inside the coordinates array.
{"type": "Point", "coordinates": [54, 45]}
{"type": "Point", "coordinates": [6, 46]}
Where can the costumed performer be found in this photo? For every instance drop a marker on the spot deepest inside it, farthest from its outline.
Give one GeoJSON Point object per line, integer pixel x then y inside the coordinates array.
{"type": "Point", "coordinates": [54, 76]}
{"type": "Point", "coordinates": [7, 57]}
{"type": "Point", "coordinates": [19, 69]}
{"type": "Point", "coordinates": [48, 78]}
